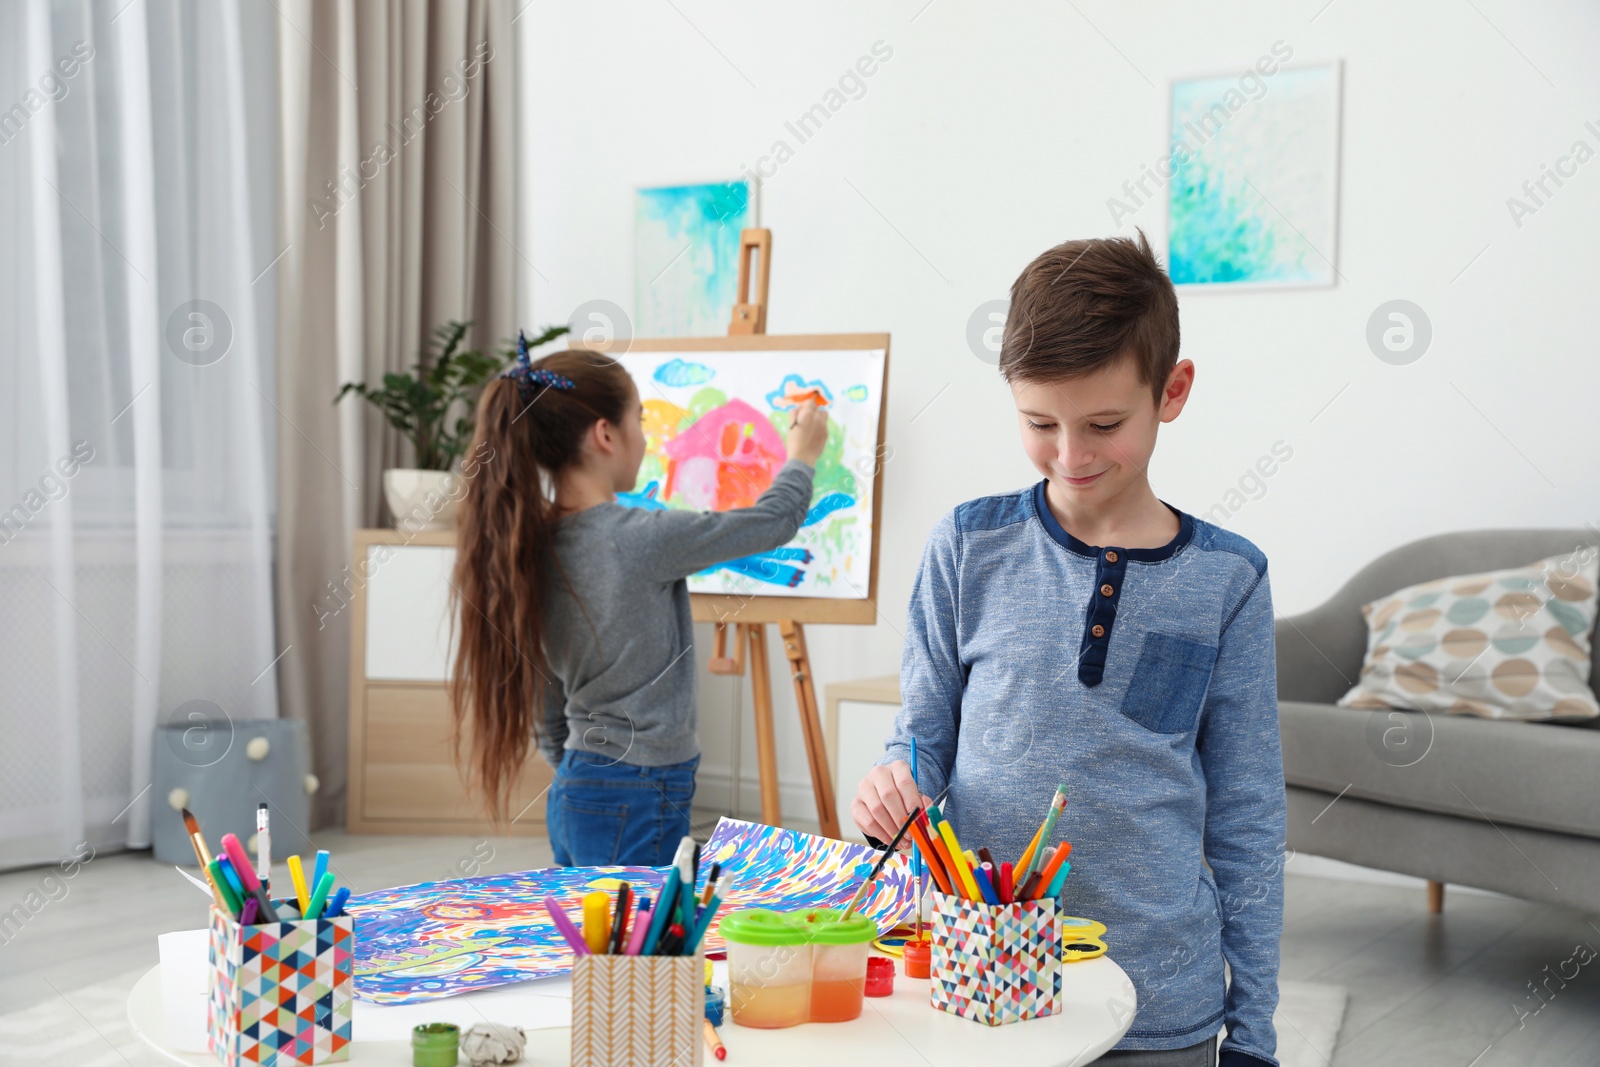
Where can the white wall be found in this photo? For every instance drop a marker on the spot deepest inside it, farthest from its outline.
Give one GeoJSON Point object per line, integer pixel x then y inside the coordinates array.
{"type": "Point", "coordinates": [995, 131]}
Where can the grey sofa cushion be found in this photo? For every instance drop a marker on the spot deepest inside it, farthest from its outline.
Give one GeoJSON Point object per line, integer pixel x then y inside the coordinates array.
{"type": "Point", "coordinates": [1538, 775]}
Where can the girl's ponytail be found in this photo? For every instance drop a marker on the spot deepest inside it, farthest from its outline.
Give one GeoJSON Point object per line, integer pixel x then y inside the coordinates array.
{"type": "Point", "coordinates": [531, 427]}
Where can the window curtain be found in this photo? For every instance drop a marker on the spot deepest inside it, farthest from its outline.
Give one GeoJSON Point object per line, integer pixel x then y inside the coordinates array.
{"type": "Point", "coordinates": [137, 293]}
{"type": "Point", "coordinates": [398, 212]}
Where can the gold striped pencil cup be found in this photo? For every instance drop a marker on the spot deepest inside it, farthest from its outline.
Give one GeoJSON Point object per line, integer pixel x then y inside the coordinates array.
{"type": "Point", "coordinates": [638, 1011]}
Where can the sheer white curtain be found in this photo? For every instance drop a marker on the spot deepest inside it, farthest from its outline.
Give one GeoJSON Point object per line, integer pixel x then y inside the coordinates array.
{"type": "Point", "coordinates": [136, 420]}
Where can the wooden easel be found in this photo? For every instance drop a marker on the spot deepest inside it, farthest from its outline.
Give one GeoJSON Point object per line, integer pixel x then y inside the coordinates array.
{"type": "Point", "coordinates": [750, 317]}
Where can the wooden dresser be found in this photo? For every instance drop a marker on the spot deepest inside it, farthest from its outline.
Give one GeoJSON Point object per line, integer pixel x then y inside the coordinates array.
{"type": "Point", "coordinates": [403, 777]}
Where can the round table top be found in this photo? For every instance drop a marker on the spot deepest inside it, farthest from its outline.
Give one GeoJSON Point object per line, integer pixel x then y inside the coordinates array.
{"type": "Point", "coordinates": [1097, 1007]}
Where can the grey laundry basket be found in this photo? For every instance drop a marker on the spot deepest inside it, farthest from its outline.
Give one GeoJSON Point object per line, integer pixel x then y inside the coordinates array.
{"type": "Point", "coordinates": [202, 761]}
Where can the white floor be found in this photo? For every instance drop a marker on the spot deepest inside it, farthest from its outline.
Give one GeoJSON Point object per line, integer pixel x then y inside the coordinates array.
{"type": "Point", "coordinates": [1425, 991]}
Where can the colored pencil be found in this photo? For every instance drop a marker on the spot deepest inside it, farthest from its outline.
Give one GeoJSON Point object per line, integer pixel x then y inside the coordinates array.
{"type": "Point", "coordinates": [263, 846]}
{"type": "Point", "coordinates": [1047, 874]}
{"type": "Point", "coordinates": [1027, 853]}
{"type": "Point", "coordinates": [713, 1042]}
{"type": "Point", "coordinates": [969, 885]}
{"type": "Point", "coordinates": [931, 859]}
{"type": "Point", "coordinates": [700, 928]}
{"type": "Point", "coordinates": [1057, 802]}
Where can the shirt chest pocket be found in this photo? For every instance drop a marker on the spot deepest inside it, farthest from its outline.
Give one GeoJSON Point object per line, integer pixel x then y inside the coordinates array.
{"type": "Point", "coordinates": [1169, 683]}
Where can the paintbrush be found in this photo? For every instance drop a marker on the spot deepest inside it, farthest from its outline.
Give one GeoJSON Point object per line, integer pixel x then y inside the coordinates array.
{"type": "Point", "coordinates": [861, 891]}
{"type": "Point", "coordinates": [203, 854]}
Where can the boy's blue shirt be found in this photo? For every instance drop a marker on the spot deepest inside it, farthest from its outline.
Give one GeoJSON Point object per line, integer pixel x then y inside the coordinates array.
{"type": "Point", "coordinates": [1163, 724]}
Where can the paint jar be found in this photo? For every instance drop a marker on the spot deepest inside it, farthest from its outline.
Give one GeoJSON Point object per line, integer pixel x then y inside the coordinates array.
{"type": "Point", "coordinates": [786, 968]}
{"type": "Point", "coordinates": [839, 968]}
{"type": "Point", "coordinates": [769, 968]}
{"type": "Point", "coordinates": [919, 958]}
{"type": "Point", "coordinates": [880, 976]}
{"type": "Point", "coordinates": [716, 1004]}
{"type": "Point", "coordinates": [435, 1045]}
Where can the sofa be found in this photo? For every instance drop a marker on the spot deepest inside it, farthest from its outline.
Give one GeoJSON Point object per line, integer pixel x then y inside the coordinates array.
{"type": "Point", "coordinates": [1502, 805]}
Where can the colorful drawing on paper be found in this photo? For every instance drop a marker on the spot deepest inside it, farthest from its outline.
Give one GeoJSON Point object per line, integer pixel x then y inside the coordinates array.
{"type": "Point", "coordinates": [440, 939]}
{"type": "Point", "coordinates": [1253, 198]}
{"type": "Point", "coordinates": [714, 425]}
{"type": "Point", "coordinates": [686, 257]}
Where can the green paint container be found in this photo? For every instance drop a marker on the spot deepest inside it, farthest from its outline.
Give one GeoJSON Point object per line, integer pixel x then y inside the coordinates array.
{"type": "Point", "coordinates": [435, 1045]}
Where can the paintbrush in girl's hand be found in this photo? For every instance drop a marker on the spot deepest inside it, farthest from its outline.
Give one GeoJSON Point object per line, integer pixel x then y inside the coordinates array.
{"type": "Point", "coordinates": [861, 891]}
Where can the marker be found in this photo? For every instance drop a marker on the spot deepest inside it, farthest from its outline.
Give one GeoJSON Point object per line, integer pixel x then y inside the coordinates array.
{"type": "Point", "coordinates": [321, 867]}
{"type": "Point", "coordinates": [226, 865]}
{"type": "Point", "coordinates": [980, 874]}
{"type": "Point", "coordinates": [319, 896]}
{"type": "Point", "coordinates": [230, 897]}
{"type": "Point", "coordinates": [1006, 895]}
{"type": "Point", "coordinates": [686, 879]}
{"type": "Point", "coordinates": [558, 916]}
{"type": "Point", "coordinates": [1059, 882]}
{"type": "Point", "coordinates": [658, 919]}
{"type": "Point", "coordinates": [699, 932]}
{"type": "Point", "coordinates": [247, 917]}
{"type": "Point", "coordinates": [1047, 875]}
{"type": "Point", "coordinates": [596, 922]}
{"type": "Point", "coordinates": [252, 884]}
{"type": "Point", "coordinates": [641, 926]}
{"type": "Point", "coordinates": [619, 921]}
{"type": "Point", "coordinates": [263, 848]}
{"type": "Point", "coordinates": [297, 874]}
{"type": "Point", "coordinates": [335, 906]}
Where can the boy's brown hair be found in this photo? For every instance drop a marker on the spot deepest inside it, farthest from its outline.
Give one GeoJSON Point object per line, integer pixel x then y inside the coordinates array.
{"type": "Point", "coordinates": [1085, 304]}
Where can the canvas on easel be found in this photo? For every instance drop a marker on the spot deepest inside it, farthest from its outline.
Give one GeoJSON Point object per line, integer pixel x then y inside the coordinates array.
{"type": "Point", "coordinates": [716, 411]}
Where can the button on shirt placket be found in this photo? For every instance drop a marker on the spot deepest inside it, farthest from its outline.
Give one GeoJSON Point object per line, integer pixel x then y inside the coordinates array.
{"type": "Point", "coordinates": [1110, 566]}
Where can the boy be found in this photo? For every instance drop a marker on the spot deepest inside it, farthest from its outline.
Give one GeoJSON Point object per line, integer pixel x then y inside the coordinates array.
{"type": "Point", "coordinates": [1084, 631]}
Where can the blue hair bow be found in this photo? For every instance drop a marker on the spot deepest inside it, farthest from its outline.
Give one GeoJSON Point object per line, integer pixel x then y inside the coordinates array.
{"type": "Point", "coordinates": [529, 378]}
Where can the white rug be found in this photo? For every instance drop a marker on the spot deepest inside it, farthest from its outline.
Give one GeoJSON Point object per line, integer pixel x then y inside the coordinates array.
{"type": "Point", "coordinates": [1308, 1020]}
{"type": "Point", "coordinates": [87, 1027]}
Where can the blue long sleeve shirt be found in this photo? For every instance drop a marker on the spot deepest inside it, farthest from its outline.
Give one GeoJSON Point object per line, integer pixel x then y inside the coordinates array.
{"type": "Point", "coordinates": [1145, 680]}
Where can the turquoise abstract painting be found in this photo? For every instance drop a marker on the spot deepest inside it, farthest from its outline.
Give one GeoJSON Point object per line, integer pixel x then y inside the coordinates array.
{"type": "Point", "coordinates": [686, 257]}
{"type": "Point", "coordinates": [1253, 199]}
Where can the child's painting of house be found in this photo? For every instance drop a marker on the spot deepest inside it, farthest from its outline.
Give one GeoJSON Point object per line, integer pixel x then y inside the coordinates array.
{"type": "Point", "coordinates": [686, 257]}
{"type": "Point", "coordinates": [714, 426]}
{"type": "Point", "coordinates": [1254, 189]}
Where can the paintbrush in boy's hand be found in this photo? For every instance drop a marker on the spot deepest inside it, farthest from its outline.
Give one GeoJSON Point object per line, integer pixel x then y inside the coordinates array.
{"type": "Point", "coordinates": [861, 891]}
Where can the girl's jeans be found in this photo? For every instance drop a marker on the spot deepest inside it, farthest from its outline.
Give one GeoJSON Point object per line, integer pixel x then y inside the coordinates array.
{"type": "Point", "coordinates": [601, 812]}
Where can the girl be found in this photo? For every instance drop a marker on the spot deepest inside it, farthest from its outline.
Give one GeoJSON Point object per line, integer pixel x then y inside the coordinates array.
{"type": "Point", "coordinates": [573, 610]}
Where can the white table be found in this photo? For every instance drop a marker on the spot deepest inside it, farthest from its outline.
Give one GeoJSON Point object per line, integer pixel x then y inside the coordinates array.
{"type": "Point", "coordinates": [1098, 1004]}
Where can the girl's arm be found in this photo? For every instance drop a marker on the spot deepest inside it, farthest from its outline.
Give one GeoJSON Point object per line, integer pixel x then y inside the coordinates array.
{"type": "Point", "coordinates": [553, 721]}
{"type": "Point", "coordinates": [675, 544]}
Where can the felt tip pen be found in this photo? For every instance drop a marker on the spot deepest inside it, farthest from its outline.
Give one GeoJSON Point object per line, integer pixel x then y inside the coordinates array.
{"type": "Point", "coordinates": [665, 905]}
{"type": "Point", "coordinates": [232, 876]}
{"type": "Point", "coordinates": [1059, 882]}
{"type": "Point", "coordinates": [319, 897]}
{"type": "Point", "coordinates": [335, 906]}
{"type": "Point", "coordinates": [247, 916]}
{"type": "Point", "coordinates": [302, 893]}
{"type": "Point", "coordinates": [321, 867]}
{"type": "Point", "coordinates": [980, 874]}
{"type": "Point", "coordinates": [596, 921]}
{"type": "Point", "coordinates": [570, 932]}
{"type": "Point", "coordinates": [241, 866]}
{"type": "Point", "coordinates": [641, 927]}
{"type": "Point", "coordinates": [230, 896]}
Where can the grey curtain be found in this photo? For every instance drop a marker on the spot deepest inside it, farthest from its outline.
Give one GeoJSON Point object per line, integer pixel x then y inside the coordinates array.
{"type": "Point", "coordinates": [397, 214]}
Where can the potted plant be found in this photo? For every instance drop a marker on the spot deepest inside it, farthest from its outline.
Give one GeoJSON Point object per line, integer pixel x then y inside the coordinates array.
{"type": "Point", "coordinates": [434, 410]}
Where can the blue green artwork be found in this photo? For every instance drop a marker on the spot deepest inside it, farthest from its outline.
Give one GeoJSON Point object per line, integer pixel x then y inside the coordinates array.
{"type": "Point", "coordinates": [1253, 199]}
{"type": "Point", "coordinates": [686, 257]}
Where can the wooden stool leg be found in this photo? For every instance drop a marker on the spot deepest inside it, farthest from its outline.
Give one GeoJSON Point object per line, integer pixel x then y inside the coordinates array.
{"type": "Point", "coordinates": [805, 698]}
{"type": "Point", "coordinates": [766, 744]}
{"type": "Point", "coordinates": [1436, 897]}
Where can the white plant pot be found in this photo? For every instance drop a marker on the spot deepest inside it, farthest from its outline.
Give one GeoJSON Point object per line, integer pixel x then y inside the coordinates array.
{"type": "Point", "coordinates": [422, 500]}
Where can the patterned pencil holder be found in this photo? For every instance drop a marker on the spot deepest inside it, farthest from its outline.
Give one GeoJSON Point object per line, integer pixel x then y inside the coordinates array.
{"type": "Point", "coordinates": [280, 992]}
{"type": "Point", "coordinates": [996, 963]}
{"type": "Point", "coordinates": [638, 1011]}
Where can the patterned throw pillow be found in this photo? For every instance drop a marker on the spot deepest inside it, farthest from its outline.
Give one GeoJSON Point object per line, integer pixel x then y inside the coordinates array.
{"type": "Point", "coordinates": [1511, 644]}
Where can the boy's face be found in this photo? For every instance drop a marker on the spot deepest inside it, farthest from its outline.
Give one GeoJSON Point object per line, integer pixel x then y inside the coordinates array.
{"type": "Point", "coordinates": [1092, 437]}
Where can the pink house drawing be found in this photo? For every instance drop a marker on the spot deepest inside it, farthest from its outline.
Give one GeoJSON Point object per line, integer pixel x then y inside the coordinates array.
{"type": "Point", "coordinates": [725, 459]}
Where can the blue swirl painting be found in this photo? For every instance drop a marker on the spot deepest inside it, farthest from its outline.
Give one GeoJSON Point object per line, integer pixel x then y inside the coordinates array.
{"type": "Point", "coordinates": [686, 257]}
{"type": "Point", "coordinates": [439, 939]}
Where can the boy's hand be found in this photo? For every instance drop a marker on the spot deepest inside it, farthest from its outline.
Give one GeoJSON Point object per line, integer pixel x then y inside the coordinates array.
{"type": "Point", "coordinates": [883, 800]}
{"type": "Point", "coordinates": [808, 433]}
